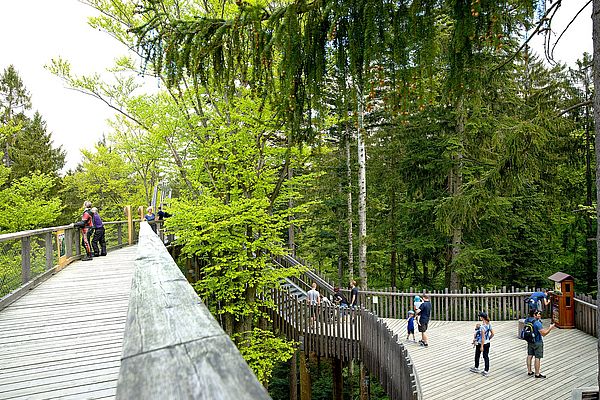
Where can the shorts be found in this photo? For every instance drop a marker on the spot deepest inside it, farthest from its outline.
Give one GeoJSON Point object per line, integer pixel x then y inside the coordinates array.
{"type": "Point", "coordinates": [422, 327]}
{"type": "Point", "coordinates": [535, 349]}
{"type": "Point", "coordinates": [411, 331]}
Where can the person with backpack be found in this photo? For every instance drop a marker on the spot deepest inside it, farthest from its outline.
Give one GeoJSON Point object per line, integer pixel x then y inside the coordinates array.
{"type": "Point", "coordinates": [87, 228]}
{"type": "Point", "coordinates": [98, 235]}
{"type": "Point", "coordinates": [482, 346]}
{"type": "Point", "coordinates": [535, 349]}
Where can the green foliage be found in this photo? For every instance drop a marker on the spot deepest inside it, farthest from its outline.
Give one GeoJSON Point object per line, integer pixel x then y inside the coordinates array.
{"type": "Point", "coordinates": [27, 203]}
{"type": "Point", "coordinates": [32, 150]}
{"type": "Point", "coordinates": [106, 180]}
{"type": "Point", "coordinates": [254, 347]}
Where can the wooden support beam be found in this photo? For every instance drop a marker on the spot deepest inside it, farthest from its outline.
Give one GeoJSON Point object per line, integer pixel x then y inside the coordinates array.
{"type": "Point", "coordinates": [305, 384]}
{"type": "Point", "coordinates": [294, 377]}
{"type": "Point", "coordinates": [338, 379]}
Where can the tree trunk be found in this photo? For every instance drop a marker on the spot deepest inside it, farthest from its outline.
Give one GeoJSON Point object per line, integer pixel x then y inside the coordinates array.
{"type": "Point", "coordinates": [596, 40]}
{"type": "Point", "coordinates": [362, 193]}
{"type": "Point", "coordinates": [350, 212]}
{"type": "Point", "coordinates": [455, 183]}
{"type": "Point", "coordinates": [394, 253]}
{"type": "Point", "coordinates": [589, 259]}
{"type": "Point", "coordinates": [291, 239]}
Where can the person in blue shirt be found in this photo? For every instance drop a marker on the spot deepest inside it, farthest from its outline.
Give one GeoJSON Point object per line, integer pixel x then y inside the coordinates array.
{"type": "Point", "coordinates": [536, 349]}
{"type": "Point", "coordinates": [538, 298]}
{"type": "Point", "coordinates": [150, 217]}
{"type": "Point", "coordinates": [410, 325]}
{"type": "Point", "coordinates": [424, 313]}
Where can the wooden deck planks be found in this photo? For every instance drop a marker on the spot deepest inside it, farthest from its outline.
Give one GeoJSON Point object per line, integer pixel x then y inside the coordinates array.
{"type": "Point", "coordinates": [64, 339]}
{"type": "Point", "coordinates": [570, 361]}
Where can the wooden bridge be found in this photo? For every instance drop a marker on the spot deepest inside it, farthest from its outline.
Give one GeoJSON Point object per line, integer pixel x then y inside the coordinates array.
{"type": "Point", "coordinates": [100, 329]}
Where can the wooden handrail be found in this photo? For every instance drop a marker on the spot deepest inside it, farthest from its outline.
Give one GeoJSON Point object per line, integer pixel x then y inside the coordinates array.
{"type": "Point", "coordinates": [585, 303]}
{"type": "Point", "coordinates": [173, 347]}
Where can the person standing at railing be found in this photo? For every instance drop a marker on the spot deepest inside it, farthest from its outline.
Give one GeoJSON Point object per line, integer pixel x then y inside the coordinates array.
{"type": "Point", "coordinates": [150, 217]}
{"type": "Point", "coordinates": [87, 227]}
{"type": "Point", "coordinates": [313, 299]}
{"type": "Point", "coordinates": [353, 295]}
{"type": "Point", "coordinates": [98, 234]}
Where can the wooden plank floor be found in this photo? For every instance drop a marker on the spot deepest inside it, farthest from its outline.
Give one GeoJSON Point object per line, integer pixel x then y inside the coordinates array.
{"type": "Point", "coordinates": [64, 338]}
{"type": "Point", "coordinates": [570, 361]}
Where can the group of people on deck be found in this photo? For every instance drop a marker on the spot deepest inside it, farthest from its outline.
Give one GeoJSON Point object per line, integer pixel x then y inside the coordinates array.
{"type": "Point", "coordinates": [93, 238]}
{"type": "Point", "coordinates": [484, 332]}
{"type": "Point", "coordinates": [91, 224]}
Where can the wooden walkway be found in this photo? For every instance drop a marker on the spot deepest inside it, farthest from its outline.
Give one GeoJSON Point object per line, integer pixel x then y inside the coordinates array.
{"type": "Point", "coordinates": [570, 361]}
{"type": "Point", "coordinates": [64, 339]}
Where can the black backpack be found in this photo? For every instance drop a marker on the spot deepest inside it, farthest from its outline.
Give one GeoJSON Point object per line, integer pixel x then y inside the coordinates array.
{"type": "Point", "coordinates": [527, 332]}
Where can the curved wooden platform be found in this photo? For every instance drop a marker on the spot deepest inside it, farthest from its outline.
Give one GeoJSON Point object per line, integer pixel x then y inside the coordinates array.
{"type": "Point", "coordinates": [570, 361]}
{"type": "Point", "coordinates": [64, 339]}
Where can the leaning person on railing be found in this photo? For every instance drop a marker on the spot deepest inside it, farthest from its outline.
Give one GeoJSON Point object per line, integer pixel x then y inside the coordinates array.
{"type": "Point", "coordinates": [87, 228]}
{"type": "Point", "coordinates": [98, 235]}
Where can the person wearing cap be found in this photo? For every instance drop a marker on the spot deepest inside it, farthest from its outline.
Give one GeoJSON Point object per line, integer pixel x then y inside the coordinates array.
{"type": "Point", "coordinates": [536, 349]}
{"type": "Point", "coordinates": [486, 333]}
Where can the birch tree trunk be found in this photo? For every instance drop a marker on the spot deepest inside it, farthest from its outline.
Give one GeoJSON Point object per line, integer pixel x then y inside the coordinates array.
{"type": "Point", "coordinates": [596, 40]}
{"type": "Point", "coordinates": [362, 192]}
{"type": "Point", "coordinates": [350, 212]}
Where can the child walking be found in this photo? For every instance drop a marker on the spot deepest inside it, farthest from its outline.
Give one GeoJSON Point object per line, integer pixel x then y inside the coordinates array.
{"type": "Point", "coordinates": [410, 326]}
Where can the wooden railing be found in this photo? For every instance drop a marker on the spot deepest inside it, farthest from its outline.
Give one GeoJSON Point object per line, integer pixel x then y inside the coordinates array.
{"type": "Point", "coordinates": [173, 347]}
{"type": "Point", "coordinates": [28, 258]}
{"type": "Point", "coordinates": [501, 305]}
{"type": "Point", "coordinates": [387, 359]}
{"type": "Point", "coordinates": [348, 334]}
{"type": "Point", "coordinates": [586, 314]}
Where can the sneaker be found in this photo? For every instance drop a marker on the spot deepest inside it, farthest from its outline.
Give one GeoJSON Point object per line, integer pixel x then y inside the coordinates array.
{"type": "Point", "coordinates": [485, 373]}
{"type": "Point", "coordinates": [425, 344]}
{"type": "Point", "coordinates": [87, 258]}
{"type": "Point", "coordinates": [530, 373]}
{"type": "Point", "coordinates": [473, 369]}
{"type": "Point", "coordinates": [421, 343]}
{"type": "Point", "coordinates": [540, 376]}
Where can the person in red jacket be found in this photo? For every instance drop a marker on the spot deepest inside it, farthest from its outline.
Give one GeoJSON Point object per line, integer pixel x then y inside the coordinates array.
{"type": "Point", "coordinates": [87, 228]}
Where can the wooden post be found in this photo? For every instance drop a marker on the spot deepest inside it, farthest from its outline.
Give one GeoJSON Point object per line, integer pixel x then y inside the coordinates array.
{"type": "Point", "coordinates": [77, 242]}
{"type": "Point", "coordinates": [305, 389]}
{"type": "Point", "coordinates": [25, 259]}
{"type": "Point", "coordinates": [294, 377]}
{"type": "Point", "coordinates": [49, 251]}
{"type": "Point", "coordinates": [338, 379]}
{"type": "Point", "coordinates": [119, 234]}
{"type": "Point", "coordinates": [69, 242]}
{"type": "Point", "coordinates": [129, 218]}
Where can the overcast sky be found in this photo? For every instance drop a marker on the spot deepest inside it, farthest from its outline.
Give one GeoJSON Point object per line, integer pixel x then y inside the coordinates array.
{"type": "Point", "coordinates": [35, 31]}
